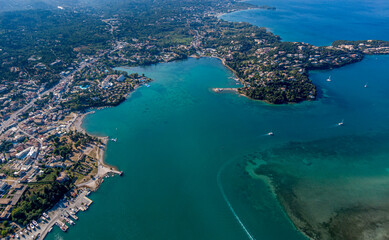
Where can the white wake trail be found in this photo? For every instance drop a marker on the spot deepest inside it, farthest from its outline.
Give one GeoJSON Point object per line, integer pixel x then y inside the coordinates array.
{"type": "Point", "coordinates": [229, 204]}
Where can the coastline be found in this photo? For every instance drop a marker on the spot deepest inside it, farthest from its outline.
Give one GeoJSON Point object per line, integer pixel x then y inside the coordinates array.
{"type": "Point", "coordinates": [103, 169]}
{"type": "Point", "coordinates": [240, 81]}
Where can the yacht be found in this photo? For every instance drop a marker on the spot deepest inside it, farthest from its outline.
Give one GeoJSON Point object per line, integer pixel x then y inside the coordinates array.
{"type": "Point", "coordinates": [270, 134]}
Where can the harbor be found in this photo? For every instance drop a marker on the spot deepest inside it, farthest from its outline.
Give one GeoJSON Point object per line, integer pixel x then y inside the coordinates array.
{"type": "Point", "coordinates": [62, 215]}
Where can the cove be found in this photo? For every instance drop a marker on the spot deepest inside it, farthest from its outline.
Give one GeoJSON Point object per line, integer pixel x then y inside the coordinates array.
{"type": "Point", "coordinates": [180, 144]}
{"type": "Point", "coordinates": [175, 137]}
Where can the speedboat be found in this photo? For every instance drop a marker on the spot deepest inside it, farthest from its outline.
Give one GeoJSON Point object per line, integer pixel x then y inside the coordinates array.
{"type": "Point", "coordinates": [329, 79]}
{"type": "Point", "coordinates": [341, 123]}
{"type": "Point", "coordinates": [270, 134]}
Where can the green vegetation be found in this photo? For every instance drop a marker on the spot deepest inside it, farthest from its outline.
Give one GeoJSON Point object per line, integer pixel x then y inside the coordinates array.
{"type": "Point", "coordinates": [64, 146]}
{"type": "Point", "coordinates": [40, 196]}
{"type": "Point", "coordinates": [5, 146]}
{"type": "Point", "coordinates": [5, 228]}
{"type": "Point", "coordinates": [31, 37]}
{"type": "Point", "coordinates": [61, 147]}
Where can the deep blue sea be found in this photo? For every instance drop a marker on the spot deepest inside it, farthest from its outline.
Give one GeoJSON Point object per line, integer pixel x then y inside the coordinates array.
{"type": "Point", "coordinates": [320, 22]}
{"type": "Point", "coordinates": [183, 147]}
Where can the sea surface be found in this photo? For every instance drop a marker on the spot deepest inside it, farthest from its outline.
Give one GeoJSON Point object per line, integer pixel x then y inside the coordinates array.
{"type": "Point", "coordinates": [183, 148]}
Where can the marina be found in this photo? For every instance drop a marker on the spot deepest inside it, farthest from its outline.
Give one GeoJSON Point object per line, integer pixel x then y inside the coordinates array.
{"type": "Point", "coordinates": [58, 216]}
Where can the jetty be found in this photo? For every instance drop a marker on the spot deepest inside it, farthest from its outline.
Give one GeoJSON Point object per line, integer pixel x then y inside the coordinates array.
{"type": "Point", "coordinates": [218, 90]}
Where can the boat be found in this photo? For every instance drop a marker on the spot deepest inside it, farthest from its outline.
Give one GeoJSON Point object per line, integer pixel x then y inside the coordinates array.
{"type": "Point", "coordinates": [114, 139]}
{"type": "Point", "coordinates": [121, 173]}
{"type": "Point", "coordinates": [69, 221]}
{"type": "Point", "coordinates": [45, 215]}
{"type": "Point", "coordinates": [35, 223]}
{"type": "Point", "coordinates": [270, 134]}
{"type": "Point", "coordinates": [341, 123]}
{"type": "Point", "coordinates": [147, 85]}
{"type": "Point", "coordinates": [365, 85]}
{"type": "Point", "coordinates": [64, 228]}
{"type": "Point", "coordinates": [329, 79]}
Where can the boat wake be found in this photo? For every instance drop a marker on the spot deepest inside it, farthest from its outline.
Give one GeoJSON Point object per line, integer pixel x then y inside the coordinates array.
{"type": "Point", "coordinates": [228, 202]}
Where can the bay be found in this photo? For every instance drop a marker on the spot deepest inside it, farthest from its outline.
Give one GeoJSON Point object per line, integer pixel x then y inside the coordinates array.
{"type": "Point", "coordinates": [183, 146]}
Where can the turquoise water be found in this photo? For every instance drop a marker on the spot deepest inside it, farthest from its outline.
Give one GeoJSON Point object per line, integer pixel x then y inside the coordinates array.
{"type": "Point", "coordinates": [183, 146]}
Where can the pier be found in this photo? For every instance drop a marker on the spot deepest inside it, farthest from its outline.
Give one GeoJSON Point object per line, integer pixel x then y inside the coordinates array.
{"type": "Point", "coordinates": [218, 90]}
{"type": "Point", "coordinates": [59, 215]}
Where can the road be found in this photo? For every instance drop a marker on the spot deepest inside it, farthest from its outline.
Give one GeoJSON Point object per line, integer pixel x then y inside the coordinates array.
{"type": "Point", "coordinates": [5, 124]}
{"type": "Point", "coordinates": [63, 82]}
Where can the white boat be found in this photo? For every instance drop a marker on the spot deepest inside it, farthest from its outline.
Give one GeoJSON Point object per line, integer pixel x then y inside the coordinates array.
{"type": "Point", "coordinates": [341, 123]}
{"type": "Point", "coordinates": [114, 139]}
{"type": "Point", "coordinates": [329, 79]}
{"type": "Point", "coordinates": [365, 85]}
{"type": "Point", "coordinates": [270, 134]}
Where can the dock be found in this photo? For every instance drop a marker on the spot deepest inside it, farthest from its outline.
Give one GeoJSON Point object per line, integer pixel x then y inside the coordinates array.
{"type": "Point", "coordinates": [62, 215]}
{"type": "Point", "coordinates": [218, 90]}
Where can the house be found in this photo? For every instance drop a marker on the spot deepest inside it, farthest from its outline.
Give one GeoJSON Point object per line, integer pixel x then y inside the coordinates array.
{"type": "Point", "coordinates": [3, 187]}
{"type": "Point", "coordinates": [6, 213]}
{"type": "Point", "coordinates": [4, 202]}
{"type": "Point", "coordinates": [63, 177]}
{"type": "Point", "coordinates": [121, 78]}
